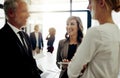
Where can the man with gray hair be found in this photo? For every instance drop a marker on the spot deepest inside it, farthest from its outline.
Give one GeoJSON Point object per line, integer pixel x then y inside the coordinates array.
{"type": "Point", "coordinates": [19, 61]}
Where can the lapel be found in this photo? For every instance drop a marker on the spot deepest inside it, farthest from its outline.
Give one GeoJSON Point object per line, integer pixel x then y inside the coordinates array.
{"type": "Point", "coordinates": [11, 34]}
{"type": "Point", "coordinates": [13, 37]}
{"type": "Point", "coordinates": [65, 48]}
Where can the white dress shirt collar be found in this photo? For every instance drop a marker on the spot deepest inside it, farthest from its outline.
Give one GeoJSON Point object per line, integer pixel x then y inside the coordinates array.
{"type": "Point", "coordinates": [13, 28]}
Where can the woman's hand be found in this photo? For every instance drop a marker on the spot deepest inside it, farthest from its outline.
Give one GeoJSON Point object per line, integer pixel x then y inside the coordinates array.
{"type": "Point", "coordinates": [64, 66]}
{"type": "Point", "coordinates": [84, 68]}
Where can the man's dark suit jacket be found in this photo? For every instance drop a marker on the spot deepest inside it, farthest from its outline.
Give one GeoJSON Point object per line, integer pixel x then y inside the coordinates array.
{"type": "Point", "coordinates": [33, 40]}
{"type": "Point", "coordinates": [15, 61]}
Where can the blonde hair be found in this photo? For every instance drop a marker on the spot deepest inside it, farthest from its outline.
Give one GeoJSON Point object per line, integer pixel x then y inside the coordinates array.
{"type": "Point", "coordinates": [113, 5]}
{"type": "Point", "coordinates": [10, 5]}
{"type": "Point", "coordinates": [52, 31]}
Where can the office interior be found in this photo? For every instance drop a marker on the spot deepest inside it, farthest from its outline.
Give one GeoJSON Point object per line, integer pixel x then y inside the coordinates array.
{"type": "Point", "coordinates": [54, 13]}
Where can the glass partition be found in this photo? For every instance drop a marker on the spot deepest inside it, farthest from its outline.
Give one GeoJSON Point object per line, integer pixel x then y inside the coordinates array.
{"type": "Point", "coordinates": [2, 18]}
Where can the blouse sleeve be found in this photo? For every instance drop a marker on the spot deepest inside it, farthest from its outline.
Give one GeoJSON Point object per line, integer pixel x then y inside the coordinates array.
{"type": "Point", "coordinates": [84, 53]}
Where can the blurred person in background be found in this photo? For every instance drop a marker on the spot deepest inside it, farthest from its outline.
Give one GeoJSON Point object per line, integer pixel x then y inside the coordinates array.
{"type": "Point", "coordinates": [50, 39]}
{"type": "Point", "coordinates": [36, 40]}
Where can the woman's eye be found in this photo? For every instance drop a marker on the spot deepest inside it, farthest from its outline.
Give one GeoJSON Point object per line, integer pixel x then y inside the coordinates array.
{"type": "Point", "coordinates": [72, 24]}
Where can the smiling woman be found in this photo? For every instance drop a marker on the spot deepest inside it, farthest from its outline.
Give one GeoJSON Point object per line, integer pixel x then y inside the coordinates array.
{"type": "Point", "coordinates": [68, 46]}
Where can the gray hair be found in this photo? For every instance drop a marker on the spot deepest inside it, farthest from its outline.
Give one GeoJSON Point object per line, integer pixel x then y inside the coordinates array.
{"type": "Point", "coordinates": [10, 5]}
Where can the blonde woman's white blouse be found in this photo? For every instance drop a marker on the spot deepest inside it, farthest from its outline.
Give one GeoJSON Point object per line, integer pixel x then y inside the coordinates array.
{"type": "Point", "coordinates": [100, 48]}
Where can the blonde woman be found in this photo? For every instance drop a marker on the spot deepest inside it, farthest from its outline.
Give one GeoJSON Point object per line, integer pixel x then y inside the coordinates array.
{"type": "Point", "coordinates": [99, 52]}
{"type": "Point", "coordinates": [50, 39]}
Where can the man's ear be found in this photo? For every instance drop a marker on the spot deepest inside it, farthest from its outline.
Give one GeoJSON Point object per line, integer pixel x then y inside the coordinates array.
{"type": "Point", "coordinates": [11, 13]}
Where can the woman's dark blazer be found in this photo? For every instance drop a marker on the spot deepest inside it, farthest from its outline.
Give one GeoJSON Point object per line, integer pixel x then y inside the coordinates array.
{"type": "Point", "coordinates": [16, 62]}
{"type": "Point", "coordinates": [62, 53]}
{"type": "Point", "coordinates": [62, 50]}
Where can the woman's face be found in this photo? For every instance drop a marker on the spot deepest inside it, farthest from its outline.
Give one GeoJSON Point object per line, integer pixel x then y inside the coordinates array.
{"type": "Point", "coordinates": [72, 27]}
{"type": "Point", "coordinates": [92, 7]}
